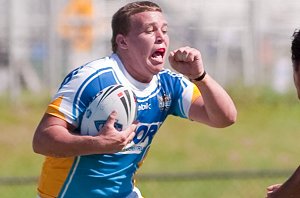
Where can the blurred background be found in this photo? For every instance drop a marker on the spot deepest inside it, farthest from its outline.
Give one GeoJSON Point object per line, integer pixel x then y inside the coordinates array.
{"type": "Point", "coordinates": [242, 41]}
{"type": "Point", "coordinates": [245, 45]}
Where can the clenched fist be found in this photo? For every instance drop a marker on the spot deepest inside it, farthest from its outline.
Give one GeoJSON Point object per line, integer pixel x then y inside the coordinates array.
{"type": "Point", "coordinates": [187, 61]}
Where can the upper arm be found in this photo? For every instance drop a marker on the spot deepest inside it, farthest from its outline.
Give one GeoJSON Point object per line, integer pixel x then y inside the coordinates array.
{"type": "Point", "coordinates": [50, 129]}
{"type": "Point", "coordinates": [197, 111]}
{"type": "Point", "coordinates": [50, 120]}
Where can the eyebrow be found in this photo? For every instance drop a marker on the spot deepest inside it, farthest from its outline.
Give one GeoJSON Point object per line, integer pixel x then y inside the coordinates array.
{"type": "Point", "coordinates": [155, 24]}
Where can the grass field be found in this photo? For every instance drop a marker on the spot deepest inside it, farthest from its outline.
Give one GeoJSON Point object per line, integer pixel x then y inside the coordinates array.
{"type": "Point", "coordinates": [265, 137]}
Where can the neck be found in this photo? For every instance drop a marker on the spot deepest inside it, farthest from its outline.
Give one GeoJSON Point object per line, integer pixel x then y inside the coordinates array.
{"type": "Point", "coordinates": [130, 68]}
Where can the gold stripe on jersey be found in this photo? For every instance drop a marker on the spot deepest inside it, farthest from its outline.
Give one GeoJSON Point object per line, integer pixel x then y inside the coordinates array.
{"type": "Point", "coordinates": [54, 174]}
{"type": "Point", "coordinates": [53, 108]}
{"type": "Point", "coordinates": [196, 93]}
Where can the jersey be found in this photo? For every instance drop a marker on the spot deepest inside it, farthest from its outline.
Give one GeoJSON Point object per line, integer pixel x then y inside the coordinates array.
{"type": "Point", "coordinates": [111, 175]}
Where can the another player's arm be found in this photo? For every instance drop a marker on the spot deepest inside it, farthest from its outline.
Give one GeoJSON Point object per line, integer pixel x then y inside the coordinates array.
{"type": "Point", "coordinates": [54, 137]}
{"type": "Point", "coordinates": [289, 188]}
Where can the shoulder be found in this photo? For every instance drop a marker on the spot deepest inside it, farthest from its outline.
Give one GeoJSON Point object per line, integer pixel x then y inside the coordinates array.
{"type": "Point", "coordinates": [101, 63]}
{"type": "Point", "coordinates": [169, 73]}
{"type": "Point", "coordinates": [91, 69]}
{"type": "Point", "coordinates": [166, 75]}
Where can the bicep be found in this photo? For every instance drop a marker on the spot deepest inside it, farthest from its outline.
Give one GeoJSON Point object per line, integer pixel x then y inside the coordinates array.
{"type": "Point", "coordinates": [50, 129]}
{"type": "Point", "coordinates": [49, 121]}
{"type": "Point", "coordinates": [197, 111]}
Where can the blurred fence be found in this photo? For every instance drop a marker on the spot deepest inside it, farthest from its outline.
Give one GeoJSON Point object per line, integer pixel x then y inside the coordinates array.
{"type": "Point", "coordinates": [245, 41]}
{"type": "Point", "coordinates": [227, 184]}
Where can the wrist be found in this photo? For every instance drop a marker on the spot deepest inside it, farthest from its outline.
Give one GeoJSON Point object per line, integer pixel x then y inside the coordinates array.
{"type": "Point", "coordinates": [200, 77]}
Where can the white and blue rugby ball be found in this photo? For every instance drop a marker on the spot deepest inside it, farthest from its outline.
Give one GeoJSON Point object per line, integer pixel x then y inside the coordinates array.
{"type": "Point", "coordinates": [115, 97]}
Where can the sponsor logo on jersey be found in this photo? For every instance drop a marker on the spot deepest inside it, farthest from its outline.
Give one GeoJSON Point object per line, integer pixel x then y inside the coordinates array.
{"type": "Point", "coordinates": [143, 138]}
{"type": "Point", "coordinates": [164, 102]}
{"type": "Point", "coordinates": [145, 106]}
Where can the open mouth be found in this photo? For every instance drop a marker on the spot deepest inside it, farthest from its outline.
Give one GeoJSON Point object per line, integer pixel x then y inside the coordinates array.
{"type": "Point", "coordinates": [158, 55]}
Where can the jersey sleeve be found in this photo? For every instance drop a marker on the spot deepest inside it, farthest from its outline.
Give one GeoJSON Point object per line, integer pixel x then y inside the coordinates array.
{"type": "Point", "coordinates": [183, 92]}
{"type": "Point", "coordinates": [80, 88]}
{"type": "Point", "coordinates": [187, 94]}
{"type": "Point", "coordinates": [63, 104]}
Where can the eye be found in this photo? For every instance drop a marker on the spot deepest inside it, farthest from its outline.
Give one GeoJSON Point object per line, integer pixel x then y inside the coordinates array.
{"type": "Point", "coordinates": [150, 29]}
{"type": "Point", "coordinates": [164, 30]}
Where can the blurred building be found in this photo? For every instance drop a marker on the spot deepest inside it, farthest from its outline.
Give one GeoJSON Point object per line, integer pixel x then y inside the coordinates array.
{"type": "Point", "coordinates": [241, 41]}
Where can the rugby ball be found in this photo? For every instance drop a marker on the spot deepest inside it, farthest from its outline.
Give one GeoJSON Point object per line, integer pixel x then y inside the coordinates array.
{"type": "Point", "coordinates": [115, 97]}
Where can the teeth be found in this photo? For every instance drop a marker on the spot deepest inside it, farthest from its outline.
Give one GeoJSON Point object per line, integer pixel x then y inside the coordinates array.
{"type": "Point", "coordinates": [156, 54]}
{"type": "Point", "coordinates": [157, 57]}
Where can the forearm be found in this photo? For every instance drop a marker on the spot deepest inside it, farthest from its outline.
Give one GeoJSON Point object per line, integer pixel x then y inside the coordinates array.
{"type": "Point", "coordinates": [219, 106]}
{"type": "Point", "coordinates": [57, 141]}
{"type": "Point", "coordinates": [54, 137]}
{"type": "Point", "coordinates": [291, 188]}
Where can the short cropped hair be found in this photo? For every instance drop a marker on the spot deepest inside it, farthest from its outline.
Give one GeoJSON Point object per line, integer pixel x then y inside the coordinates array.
{"type": "Point", "coordinates": [120, 23]}
{"type": "Point", "coordinates": [295, 49]}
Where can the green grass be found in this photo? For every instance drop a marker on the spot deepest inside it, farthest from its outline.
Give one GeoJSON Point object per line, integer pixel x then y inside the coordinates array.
{"type": "Point", "coordinates": [18, 122]}
{"type": "Point", "coordinates": [265, 137]}
{"type": "Point", "coordinates": [254, 188]}
{"type": "Point", "coordinates": [18, 191]}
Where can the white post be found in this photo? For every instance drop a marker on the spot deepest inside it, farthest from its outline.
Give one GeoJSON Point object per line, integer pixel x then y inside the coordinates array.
{"type": "Point", "coordinates": [53, 70]}
{"type": "Point", "coordinates": [17, 18]}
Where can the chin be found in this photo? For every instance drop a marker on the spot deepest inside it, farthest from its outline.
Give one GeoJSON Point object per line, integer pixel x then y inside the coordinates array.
{"type": "Point", "coordinates": [156, 67]}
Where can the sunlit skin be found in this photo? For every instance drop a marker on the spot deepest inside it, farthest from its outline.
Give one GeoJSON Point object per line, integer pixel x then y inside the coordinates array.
{"type": "Point", "coordinates": [143, 50]}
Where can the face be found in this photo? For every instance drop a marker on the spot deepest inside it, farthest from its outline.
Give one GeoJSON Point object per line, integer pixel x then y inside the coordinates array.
{"type": "Point", "coordinates": [147, 43]}
{"type": "Point", "coordinates": [296, 75]}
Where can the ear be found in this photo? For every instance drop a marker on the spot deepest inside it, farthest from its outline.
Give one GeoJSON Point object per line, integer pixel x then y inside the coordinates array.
{"type": "Point", "coordinates": [121, 41]}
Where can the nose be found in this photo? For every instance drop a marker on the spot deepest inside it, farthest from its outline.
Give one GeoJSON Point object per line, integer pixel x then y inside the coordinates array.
{"type": "Point", "coordinates": [160, 36]}
{"type": "Point", "coordinates": [159, 39]}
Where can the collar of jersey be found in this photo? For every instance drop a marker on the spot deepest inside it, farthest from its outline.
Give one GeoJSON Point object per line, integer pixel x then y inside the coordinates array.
{"type": "Point", "coordinates": [137, 85]}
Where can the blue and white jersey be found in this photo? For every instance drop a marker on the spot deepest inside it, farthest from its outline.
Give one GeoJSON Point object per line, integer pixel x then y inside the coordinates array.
{"type": "Point", "coordinates": [111, 175]}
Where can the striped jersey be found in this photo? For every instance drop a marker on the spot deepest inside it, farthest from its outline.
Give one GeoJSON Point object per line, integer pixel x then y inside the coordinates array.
{"type": "Point", "coordinates": [110, 175]}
